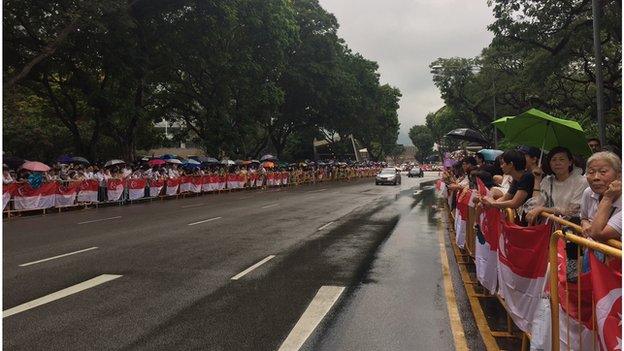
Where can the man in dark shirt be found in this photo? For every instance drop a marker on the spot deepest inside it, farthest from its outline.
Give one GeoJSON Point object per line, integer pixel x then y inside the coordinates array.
{"type": "Point", "coordinates": [513, 163]}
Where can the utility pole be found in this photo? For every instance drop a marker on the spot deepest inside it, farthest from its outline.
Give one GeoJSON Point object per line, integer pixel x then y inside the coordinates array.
{"type": "Point", "coordinates": [599, 80]}
{"type": "Point", "coordinates": [494, 103]}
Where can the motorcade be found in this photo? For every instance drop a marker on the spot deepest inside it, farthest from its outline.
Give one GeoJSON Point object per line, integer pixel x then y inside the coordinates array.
{"type": "Point", "coordinates": [416, 171]}
{"type": "Point", "coordinates": [388, 176]}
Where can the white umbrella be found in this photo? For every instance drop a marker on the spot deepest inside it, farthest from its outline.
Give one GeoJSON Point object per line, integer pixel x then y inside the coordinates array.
{"type": "Point", "coordinates": [174, 160]}
{"type": "Point", "coordinates": [228, 162]}
{"type": "Point", "coordinates": [114, 162]}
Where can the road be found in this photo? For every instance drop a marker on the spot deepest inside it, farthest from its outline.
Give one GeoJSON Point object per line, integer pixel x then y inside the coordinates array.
{"type": "Point", "coordinates": [233, 271]}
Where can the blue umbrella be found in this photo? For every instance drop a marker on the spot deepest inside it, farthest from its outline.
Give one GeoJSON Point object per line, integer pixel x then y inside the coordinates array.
{"type": "Point", "coordinates": [64, 159]}
{"type": "Point", "coordinates": [167, 157]}
{"type": "Point", "coordinates": [190, 162]}
{"type": "Point", "coordinates": [490, 154]}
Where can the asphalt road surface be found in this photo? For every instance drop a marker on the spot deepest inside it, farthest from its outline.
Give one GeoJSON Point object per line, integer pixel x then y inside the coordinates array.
{"type": "Point", "coordinates": [235, 271]}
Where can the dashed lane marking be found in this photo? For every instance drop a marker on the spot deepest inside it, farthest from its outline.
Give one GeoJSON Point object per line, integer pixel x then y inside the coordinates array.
{"type": "Point", "coordinates": [205, 220]}
{"type": "Point", "coordinates": [100, 220]}
{"type": "Point", "coordinates": [269, 206]}
{"type": "Point", "coordinates": [101, 279]}
{"type": "Point", "coordinates": [243, 273]}
{"type": "Point", "coordinates": [313, 315]}
{"type": "Point", "coordinates": [194, 205]}
{"type": "Point", "coordinates": [55, 257]}
{"type": "Point", "coordinates": [325, 226]}
{"type": "Point", "coordinates": [317, 191]}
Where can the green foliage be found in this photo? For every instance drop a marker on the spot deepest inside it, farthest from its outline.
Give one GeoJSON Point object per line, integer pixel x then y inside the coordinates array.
{"type": "Point", "coordinates": [542, 56]}
{"type": "Point", "coordinates": [242, 77]}
{"type": "Point", "coordinates": [423, 141]}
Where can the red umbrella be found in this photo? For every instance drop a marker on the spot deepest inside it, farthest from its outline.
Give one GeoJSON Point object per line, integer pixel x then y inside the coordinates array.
{"type": "Point", "coordinates": [156, 162]}
{"type": "Point", "coordinates": [35, 166]}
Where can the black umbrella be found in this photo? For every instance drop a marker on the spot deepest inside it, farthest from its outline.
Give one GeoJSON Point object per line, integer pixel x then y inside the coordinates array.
{"type": "Point", "coordinates": [268, 158]}
{"type": "Point", "coordinates": [78, 159]}
{"type": "Point", "coordinates": [12, 161]}
{"type": "Point", "coordinates": [469, 135]}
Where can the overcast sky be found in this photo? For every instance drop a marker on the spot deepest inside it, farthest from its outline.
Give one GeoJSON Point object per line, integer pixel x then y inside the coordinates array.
{"type": "Point", "coordinates": [405, 36]}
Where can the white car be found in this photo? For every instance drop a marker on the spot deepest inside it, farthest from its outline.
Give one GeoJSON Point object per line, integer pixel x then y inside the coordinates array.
{"type": "Point", "coordinates": [388, 176]}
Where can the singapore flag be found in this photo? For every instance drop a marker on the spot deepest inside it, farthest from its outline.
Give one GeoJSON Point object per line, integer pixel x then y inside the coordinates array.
{"type": "Point", "coordinates": [607, 285]}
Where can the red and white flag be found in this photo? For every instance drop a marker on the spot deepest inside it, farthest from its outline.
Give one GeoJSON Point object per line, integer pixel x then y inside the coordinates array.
{"type": "Point", "coordinates": [196, 184]}
{"type": "Point", "coordinates": [253, 177]}
{"type": "Point", "coordinates": [136, 188]}
{"type": "Point", "coordinates": [522, 263]}
{"type": "Point", "coordinates": [173, 184]}
{"type": "Point", "coordinates": [114, 189]}
{"type": "Point", "coordinates": [66, 194]}
{"type": "Point", "coordinates": [27, 198]}
{"type": "Point", "coordinates": [607, 291]}
{"type": "Point", "coordinates": [206, 183]}
{"type": "Point", "coordinates": [88, 191]}
{"type": "Point", "coordinates": [270, 179]}
{"type": "Point", "coordinates": [285, 178]}
{"type": "Point", "coordinates": [8, 190]}
{"type": "Point", "coordinates": [461, 217]}
{"type": "Point", "coordinates": [486, 255]}
{"type": "Point", "coordinates": [575, 326]}
{"type": "Point", "coordinates": [155, 187]}
{"type": "Point", "coordinates": [232, 181]}
{"type": "Point", "coordinates": [185, 184]}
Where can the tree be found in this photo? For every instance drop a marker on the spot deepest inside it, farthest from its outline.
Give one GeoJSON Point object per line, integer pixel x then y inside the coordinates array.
{"type": "Point", "coordinates": [423, 141]}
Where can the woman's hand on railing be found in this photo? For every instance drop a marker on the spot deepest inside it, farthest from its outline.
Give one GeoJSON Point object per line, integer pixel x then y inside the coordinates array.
{"type": "Point", "coordinates": [533, 215]}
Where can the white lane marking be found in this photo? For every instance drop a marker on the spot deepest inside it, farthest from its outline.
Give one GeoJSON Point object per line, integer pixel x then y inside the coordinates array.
{"type": "Point", "coordinates": [313, 315]}
{"type": "Point", "coordinates": [206, 220]}
{"type": "Point", "coordinates": [188, 206]}
{"type": "Point", "coordinates": [60, 294]}
{"type": "Point", "coordinates": [99, 220]}
{"type": "Point", "coordinates": [55, 257]}
{"type": "Point", "coordinates": [241, 274]}
{"type": "Point", "coordinates": [326, 225]}
{"type": "Point", "coordinates": [272, 205]}
{"type": "Point", "coordinates": [316, 191]}
{"type": "Point", "coordinates": [245, 197]}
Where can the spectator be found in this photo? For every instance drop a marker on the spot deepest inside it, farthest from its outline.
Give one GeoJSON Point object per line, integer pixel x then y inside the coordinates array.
{"type": "Point", "coordinates": [532, 156]}
{"type": "Point", "coordinates": [6, 175]}
{"type": "Point", "coordinates": [513, 163]}
{"type": "Point", "coordinates": [561, 190]}
{"type": "Point", "coordinates": [601, 204]}
{"type": "Point", "coordinates": [480, 160]}
{"type": "Point", "coordinates": [594, 144]}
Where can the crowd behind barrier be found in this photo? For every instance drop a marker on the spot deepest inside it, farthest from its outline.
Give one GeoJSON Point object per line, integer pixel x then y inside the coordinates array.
{"type": "Point", "coordinates": [561, 287]}
{"type": "Point", "coordinates": [20, 196]}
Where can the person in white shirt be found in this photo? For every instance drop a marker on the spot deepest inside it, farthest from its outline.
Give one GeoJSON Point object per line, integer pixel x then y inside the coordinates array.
{"type": "Point", "coordinates": [560, 192]}
{"type": "Point", "coordinates": [601, 204]}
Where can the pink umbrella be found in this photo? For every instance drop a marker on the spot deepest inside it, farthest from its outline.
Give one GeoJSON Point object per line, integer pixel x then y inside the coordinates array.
{"type": "Point", "coordinates": [156, 162]}
{"type": "Point", "coordinates": [35, 166]}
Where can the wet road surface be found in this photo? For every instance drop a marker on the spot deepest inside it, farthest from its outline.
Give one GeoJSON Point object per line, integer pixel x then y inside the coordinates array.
{"type": "Point", "coordinates": [160, 275]}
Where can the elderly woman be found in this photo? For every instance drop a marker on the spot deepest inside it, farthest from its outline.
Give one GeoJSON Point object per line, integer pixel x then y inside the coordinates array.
{"type": "Point", "coordinates": [561, 190]}
{"type": "Point", "coordinates": [601, 204]}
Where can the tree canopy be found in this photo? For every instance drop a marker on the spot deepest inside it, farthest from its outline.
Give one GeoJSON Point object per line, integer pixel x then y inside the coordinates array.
{"type": "Point", "coordinates": [541, 56]}
{"type": "Point", "coordinates": [239, 77]}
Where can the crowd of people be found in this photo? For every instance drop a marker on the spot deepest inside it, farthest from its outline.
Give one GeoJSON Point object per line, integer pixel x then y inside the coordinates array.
{"type": "Point", "coordinates": [586, 193]}
{"type": "Point", "coordinates": [155, 171]}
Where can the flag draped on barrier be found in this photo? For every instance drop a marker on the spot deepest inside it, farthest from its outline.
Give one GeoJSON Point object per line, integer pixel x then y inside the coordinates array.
{"type": "Point", "coordinates": [173, 185]}
{"type": "Point", "coordinates": [575, 326]}
{"type": "Point", "coordinates": [486, 245]}
{"type": "Point", "coordinates": [136, 188]}
{"type": "Point", "coordinates": [461, 217]}
{"type": "Point", "coordinates": [66, 194]}
{"type": "Point", "coordinates": [185, 184]}
{"type": "Point", "coordinates": [522, 263]}
{"type": "Point", "coordinates": [196, 184]}
{"type": "Point", "coordinates": [88, 191]}
{"type": "Point", "coordinates": [8, 190]}
{"type": "Point", "coordinates": [155, 187]}
{"type": "Point", "coordinates": [114, 189]}
{"type": "Point", "coordinates": [27, 198]}
{"type": "Point", "coordinates": [607, 292]}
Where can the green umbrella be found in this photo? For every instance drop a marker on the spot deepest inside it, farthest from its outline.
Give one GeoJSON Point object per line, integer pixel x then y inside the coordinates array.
{"type": "Point", "coordinates": [501, 124]}
{"type": "Point", "coordinates": [539, 129]}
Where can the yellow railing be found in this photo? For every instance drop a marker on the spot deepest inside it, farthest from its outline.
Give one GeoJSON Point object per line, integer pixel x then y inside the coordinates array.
{"type": "Point", "coordinates": [611, 248]}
